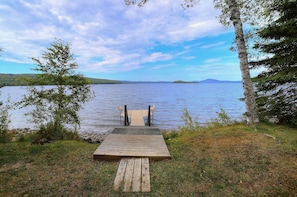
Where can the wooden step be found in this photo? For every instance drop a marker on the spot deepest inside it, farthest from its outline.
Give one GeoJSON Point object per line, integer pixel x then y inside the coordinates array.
{"type": "Point", "coordinates": [133, 175]}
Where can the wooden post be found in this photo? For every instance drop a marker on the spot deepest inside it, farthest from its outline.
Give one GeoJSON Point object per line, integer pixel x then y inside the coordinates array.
{"type": "Point", "coordinates": [126, 117]}
{"type": "Point", "coordinates": [149, 116]}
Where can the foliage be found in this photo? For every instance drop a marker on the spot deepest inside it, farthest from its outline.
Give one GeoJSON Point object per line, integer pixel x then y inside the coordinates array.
{"type": "Point", "coordinates": [56, 106]}
{"type": "Point", "coordinates": [190, 123]}
{"type": "Point", "coordinates": [24, 79]}
{"type": "Point", "coordinates": [222, 120]}
{"type": "Point", "coordinates": [49, 131]}
{"type": "Point", "coordinates": [4, 121]}
{"type": "Point", "coordinates": [276, 85]}
{"type": "Point", "coordinates": [15, 79]}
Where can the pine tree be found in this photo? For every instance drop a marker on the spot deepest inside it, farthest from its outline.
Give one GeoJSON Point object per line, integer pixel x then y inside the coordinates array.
{"type": "Point", "coordinates": [277, 84]}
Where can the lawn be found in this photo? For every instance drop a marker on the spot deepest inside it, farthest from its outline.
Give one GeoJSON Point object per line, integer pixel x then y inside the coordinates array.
{"type": "Point", "coordinates": [236, 160]}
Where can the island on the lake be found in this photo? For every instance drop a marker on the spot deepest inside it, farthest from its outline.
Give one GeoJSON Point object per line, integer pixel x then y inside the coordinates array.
{"type": "Point", "coordinates": [181, 81]}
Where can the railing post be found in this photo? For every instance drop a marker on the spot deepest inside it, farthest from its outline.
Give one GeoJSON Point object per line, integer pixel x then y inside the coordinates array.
{"type": "Point", "coordinates": [149, 116]}
{"type": "Point", "coordinates": [126, 117]}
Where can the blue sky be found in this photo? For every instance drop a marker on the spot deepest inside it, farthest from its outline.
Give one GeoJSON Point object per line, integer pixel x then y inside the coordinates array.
{"type": "Point", "coordinates": [158, 42]}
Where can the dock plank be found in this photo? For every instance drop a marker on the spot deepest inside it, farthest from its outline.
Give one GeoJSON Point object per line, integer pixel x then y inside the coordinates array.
{"type": "Point", "coordinates": [145, 175]}
{"type": "Point", "coordinates": [120, 174]}
{"type": "Point", "coordinates": [136, 179]}
{"type": "Point", "coordinates": [128, 175]}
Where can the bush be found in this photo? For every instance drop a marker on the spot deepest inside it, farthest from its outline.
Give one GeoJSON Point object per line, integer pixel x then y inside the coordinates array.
{"type": "Point", "coordinates": [5, 136]}
{"type": "Point", "coordinates": [53, 132]}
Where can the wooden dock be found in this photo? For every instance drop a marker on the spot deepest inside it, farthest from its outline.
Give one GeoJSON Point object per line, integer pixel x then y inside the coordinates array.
{"type": "Point", "coordinates": [134, 146]}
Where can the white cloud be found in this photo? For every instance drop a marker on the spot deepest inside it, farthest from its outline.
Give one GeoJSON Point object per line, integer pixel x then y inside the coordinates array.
{"type": "Point", "coordinates": [154, 57]}
{"type": "Point", "coordinates": [120, 35]}
{"type": "Point", "coordinates": [212, 60]}
{"type": "Point", "coordinates": [213, 45]}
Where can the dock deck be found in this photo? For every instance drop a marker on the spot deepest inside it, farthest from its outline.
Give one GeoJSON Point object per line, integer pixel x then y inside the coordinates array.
{"type": "Point", "coordinates": [133, 142]}
{"type": "Point", "coordinates": [137, 117]}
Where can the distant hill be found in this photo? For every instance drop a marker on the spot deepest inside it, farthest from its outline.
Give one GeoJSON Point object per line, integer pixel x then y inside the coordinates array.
{"type": "Point", "coordinates": [217, 81]}
{"type": "Point", "coordinates": [20, 80]}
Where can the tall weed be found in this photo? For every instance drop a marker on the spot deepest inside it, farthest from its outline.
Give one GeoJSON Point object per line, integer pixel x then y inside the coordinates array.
{"type": "Point", "coordinates": [222, 119]}
{"type": "Point", "coordinates": [191, 124]}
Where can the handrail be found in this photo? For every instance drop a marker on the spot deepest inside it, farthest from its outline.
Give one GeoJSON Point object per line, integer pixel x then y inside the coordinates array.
{"type": "Point", "coordinates": [126, 118]}
{"type": "Point", "coordinates": [149, 116]}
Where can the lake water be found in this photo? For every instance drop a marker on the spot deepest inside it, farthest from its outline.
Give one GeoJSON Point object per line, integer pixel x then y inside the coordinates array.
{"type": "Point", "coordinates": [101, 114]}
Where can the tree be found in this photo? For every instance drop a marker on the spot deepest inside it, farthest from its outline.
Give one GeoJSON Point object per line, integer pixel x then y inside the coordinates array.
{"type": "Point", "coordinates": [56, 106]}
{"type": "Point", "coordinates": [276, 85]}
{"type": "Point", "coordinates": [251, 111]}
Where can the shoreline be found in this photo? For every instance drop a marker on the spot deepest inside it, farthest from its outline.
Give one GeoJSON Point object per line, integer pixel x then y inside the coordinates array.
{"type": "Point", "coordinates": [90, 137]}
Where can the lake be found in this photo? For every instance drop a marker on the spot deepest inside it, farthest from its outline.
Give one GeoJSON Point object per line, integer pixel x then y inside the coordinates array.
{"type": "Point", "coordinates": [101, 114]}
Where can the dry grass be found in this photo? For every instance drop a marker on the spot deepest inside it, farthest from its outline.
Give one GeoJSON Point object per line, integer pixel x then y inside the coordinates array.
{"type": "Point", "coordinates": [234, 160]}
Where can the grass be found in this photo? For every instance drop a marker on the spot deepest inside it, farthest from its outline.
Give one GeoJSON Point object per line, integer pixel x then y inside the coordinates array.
{"type": "Point", "coordinates": [235, 160]}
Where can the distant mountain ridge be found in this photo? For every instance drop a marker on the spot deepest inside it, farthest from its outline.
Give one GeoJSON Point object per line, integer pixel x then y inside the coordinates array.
{"type": "Point", "coordinates": [217, 81]}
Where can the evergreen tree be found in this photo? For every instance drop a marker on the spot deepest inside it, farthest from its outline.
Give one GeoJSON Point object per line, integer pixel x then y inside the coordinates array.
{"type": "Point", "coordinates": [277, 84]}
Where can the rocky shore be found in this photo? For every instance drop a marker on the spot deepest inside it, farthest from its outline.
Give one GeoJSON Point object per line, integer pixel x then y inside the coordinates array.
{"type": "Point", "coordinates": [86, 136]}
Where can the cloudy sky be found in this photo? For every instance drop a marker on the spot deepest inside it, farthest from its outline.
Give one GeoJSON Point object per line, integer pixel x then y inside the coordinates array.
{"type": "Point", "coordinates": [158, 42]}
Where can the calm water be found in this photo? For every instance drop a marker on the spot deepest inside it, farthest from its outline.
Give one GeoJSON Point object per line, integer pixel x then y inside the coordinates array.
{"type": "Point", "coordinates": [101, 114]}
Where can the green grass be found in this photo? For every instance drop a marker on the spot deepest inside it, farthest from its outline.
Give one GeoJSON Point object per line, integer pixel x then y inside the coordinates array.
{"type": "Point", "coordinates": [235, 160]}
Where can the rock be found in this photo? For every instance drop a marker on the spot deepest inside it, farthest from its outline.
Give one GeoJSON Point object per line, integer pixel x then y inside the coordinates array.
{"type": "Point", "coordinates": [94, 137]}
{"type": "Point", "coordinates": [274, 120]}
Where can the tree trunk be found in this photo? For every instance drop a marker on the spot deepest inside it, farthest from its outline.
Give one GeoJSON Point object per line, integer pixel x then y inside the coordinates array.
{"type": "Point", "coordinates": [251, 111]}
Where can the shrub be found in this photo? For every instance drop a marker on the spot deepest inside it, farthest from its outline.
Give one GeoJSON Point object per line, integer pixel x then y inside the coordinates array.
{"type": "Point", "coordinates": [5, 136]}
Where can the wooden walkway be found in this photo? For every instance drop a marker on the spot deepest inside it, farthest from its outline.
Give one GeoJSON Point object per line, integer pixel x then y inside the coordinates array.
{"type": "Point", "coordinates": [133, 175]}
{"type": "Point", "coordinates": [137, 117]}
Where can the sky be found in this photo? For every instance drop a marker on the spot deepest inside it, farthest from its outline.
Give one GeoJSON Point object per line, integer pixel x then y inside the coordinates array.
{"type": "Point", "coordinates": [158, 42]}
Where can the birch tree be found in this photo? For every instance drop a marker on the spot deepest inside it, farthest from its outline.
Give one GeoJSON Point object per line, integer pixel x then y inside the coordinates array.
{"type": "Point", "coordinates": [249, 97]}
{"type": "Point", "coordinates": [56, 106]}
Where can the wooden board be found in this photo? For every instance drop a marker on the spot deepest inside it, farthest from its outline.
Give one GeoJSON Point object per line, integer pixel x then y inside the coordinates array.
{"type": "Point", "coordinates": [116, 146]}
{"type": "Point", "coordinates": [120, 174]}
{"type": "Point", "coordinates": [136, 178]}
{"type": "Point", "coordinates": [133, 175]}
{"type": "Point", "coordinates": [128, 175]}
{"type": "Point", "coordinates": [145, 175]}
